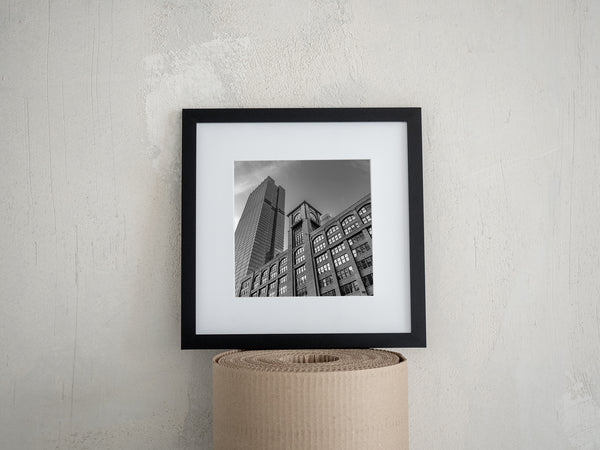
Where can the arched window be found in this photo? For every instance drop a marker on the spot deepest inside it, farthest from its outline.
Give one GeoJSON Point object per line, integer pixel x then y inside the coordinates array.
{"type": "Point", "coordinates": [256, 281]}
{"type": "Point", "coordinates": [273, 271]}
{"type": "Point", "coordinates": [313, 217]}
{"type": "Point", "coordinates": [264, 277]}
{"type": "Point", "coordinates": [319, 243]}
{"type": "Point", "coordinates": [334, 234]}
{"type": "Point", "coordinates": [296, 217]}
{"type": "Point", "coordinates": [348, 219]}
{"type": "Point", "coordinates": [365, 213]}
{"type": "Point", "coordinates": [298, 237]}
{"type": "Point", "coordinates": [283, 265]}
{"type": "Point", "coordinates": [332, 230]}
{"type": "Point", "coordinates": [299, 255]}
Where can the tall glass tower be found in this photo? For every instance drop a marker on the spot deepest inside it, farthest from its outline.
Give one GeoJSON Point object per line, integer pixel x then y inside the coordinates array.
{"type": "Point", "coordinates": [259, 233]}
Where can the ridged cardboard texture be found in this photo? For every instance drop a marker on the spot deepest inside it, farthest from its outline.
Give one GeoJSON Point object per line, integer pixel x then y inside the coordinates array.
{"type": "Point", "coordinates": [310, 399]}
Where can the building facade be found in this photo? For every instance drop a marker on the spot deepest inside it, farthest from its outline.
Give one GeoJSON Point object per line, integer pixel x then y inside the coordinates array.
{"type": "Point", "coordinates": [325, 256]}
{"type": "Point", "coordinates": [259, 233]}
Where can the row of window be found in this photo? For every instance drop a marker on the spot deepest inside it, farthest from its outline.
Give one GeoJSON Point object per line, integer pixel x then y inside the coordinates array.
{"type": "Point", "coordinates": [324, 268]}
{"type": "Point", "coordinates": [349, 224]}
{"type": "Point", "coordinates": [326, 281]}
{"type": "Point", "coordinates": [338, 248]}
{"type": "Point", "coordinates": [349, 288]}
{"type": "Point", "coordinates": [345, 273]}
{"type": "Point", "coordinates": [301, 290]}
{"type": "Point", "coordinates": [271, 289]}
{"type": "Point", "coordinates": [321, 258]}
{"type": "Point", "coordinates": [266, 275]}
{"type": "Point", "coordinates": [341, 260]}
{"type": "Point", "coordinates": [365, 263]}
{"type": "Point", "coordinates": [356, 239]}
{"type": "Point", "coordinates": [361, 249]}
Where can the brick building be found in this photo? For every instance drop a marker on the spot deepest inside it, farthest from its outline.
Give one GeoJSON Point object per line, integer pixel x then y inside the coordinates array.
{"type": "Point", "coordinates": [325, 256]}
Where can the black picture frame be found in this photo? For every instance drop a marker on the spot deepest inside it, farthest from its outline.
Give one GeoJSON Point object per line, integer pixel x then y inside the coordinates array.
{"type": "Point", "coordinates": [190, 339]}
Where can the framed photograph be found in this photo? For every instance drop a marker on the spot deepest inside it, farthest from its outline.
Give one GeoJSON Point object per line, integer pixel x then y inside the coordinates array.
{"type": "Point", "coordinates": [302, 228]}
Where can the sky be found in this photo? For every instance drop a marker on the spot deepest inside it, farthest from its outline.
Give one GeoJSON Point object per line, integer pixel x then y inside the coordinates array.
{"type": "Point", "coordinates": [328, 185]}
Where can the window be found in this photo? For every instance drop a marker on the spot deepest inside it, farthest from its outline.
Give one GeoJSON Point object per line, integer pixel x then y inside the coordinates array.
{"type": "Point", "coordinates": [345, 273]}
{"type": "Point", "coordinates": [324, 268]}
{"type": "Point", "coordinates": [368, 280]}
{"type": "Point", "coordinates": [334, 238]}
{"type": "Point", "coordinates": [337, 249]}
{"type": "Point", "coordinates": [341, 260]}
{"type": "Point", "coordinates": [325, 294]}
{"type": "Point", "coordinates": [313, 217]}
{"type": "Point", "coordinates": [348, 219]}
{"type": "Point", "coordinates": [365, 263]}
{"type": "Point", "coordinates": [263, 279]}
{"type": "Point", "coordinates": [321, 258]}
{"type": "Point", "coordinates": [364, 210]}
{"type": "Point", "coordinates": [326, 281]}
{"type": "Point", "coordinates": [299, 255]}
{"type": "Point", "coordinates": [365, 213]}
{"type": "Point", "coordinates": [263, 292]}
{"type": "Point", "coordinates": [319, 243]}
{"type": "Point", "coordinates": [361, 249]}
{"type": "Point", "coordinates": [282, 290]}
{"type": "Point", "coordinates": [349, 288]}
{"type": "Point", "coordinates": [296, 218]}
{"type": "Point", "coordinates": [254, 294]}
{"type": "Point", "coordinates": [350, 228]}
{"type": "Point", "coordinates": [283, 265]}
{"type": "Point", "coordinates": [283, 280]}
{"type": "Point", "coordinates": [332, 230]}
{"type": "Point", "coordinates": [301, 292]}
{"type": "Point", "coordinates": [356, 239]}
{"type": "Point", "coordinates": [333, 234]}
{"type": "Point", "coordinates": [301, 280]}
{"type": "Point", "coordinates": [369, 230]}
{"type": "Point", "coordinates": [256, 281]}
{"type": "Point", "coordinates": [273, 272]}
{"type": "Point", "coordinates": [245, 289]}
{"type": "Point", "coordinates": [298, 236]}
{"type": "Point", "coordinates": [301, 269]}
{"type": "Point", "coordinates": [272, 289]}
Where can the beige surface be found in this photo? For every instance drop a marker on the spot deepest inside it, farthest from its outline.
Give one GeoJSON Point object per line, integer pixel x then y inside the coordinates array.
{"type": "Point", "coordinates": [318, 399]}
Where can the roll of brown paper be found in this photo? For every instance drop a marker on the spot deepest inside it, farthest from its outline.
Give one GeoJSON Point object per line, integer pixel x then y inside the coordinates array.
{"type": "Point", "coordinates": [310, 399]}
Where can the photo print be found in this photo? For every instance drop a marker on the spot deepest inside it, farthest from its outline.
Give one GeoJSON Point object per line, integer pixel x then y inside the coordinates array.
{"type": "Point", "coordinates": [303, 228]}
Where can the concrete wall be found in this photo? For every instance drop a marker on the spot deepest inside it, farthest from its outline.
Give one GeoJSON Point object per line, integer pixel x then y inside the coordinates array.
{"type": "Point", "coordinates": [91, 94]}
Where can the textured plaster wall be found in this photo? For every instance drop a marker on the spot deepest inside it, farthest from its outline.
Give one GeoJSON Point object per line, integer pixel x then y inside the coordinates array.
{"type": "Point", "coordinates": [90, 188]}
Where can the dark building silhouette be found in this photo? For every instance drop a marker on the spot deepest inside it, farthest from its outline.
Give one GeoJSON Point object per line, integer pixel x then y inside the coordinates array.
{"type": "Point", "coordinates": [259, 232]}
{"type": "Point", "coordinates": [325, 256]}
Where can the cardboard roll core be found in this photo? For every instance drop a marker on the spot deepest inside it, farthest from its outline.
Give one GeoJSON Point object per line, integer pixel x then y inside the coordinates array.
{"type": "Point", "coordinates": [308, 358]}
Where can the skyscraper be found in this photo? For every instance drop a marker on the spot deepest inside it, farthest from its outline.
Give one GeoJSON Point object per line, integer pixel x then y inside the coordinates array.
{"type": "Point", "coordinates": [259, 232]}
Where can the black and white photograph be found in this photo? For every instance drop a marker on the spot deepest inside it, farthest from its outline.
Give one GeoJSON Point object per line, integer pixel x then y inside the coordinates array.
{"type": "Point", "coordinates": [303, 228]}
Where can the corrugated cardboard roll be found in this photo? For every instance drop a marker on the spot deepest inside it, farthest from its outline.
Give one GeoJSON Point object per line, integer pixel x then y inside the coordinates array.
{"type": "Point", "coordinates": [310, 399]}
